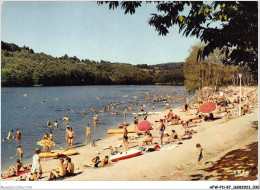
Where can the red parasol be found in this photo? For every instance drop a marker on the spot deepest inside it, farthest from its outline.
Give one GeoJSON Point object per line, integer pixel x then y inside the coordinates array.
{"type": "Point", "coordinates": [144, 125]}
{"type": "Point", "coordinates": [208, 107]}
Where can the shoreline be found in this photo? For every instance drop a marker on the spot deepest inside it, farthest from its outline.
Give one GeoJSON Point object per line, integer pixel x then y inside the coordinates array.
{"type": "Point", "coordinates": [180, 160]}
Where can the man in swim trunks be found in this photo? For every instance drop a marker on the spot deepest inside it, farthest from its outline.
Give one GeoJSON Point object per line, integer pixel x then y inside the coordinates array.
{"type": "Point", "coordinates": [161, 132]}
{"type": "Point", "coordinates": [70, 137]}
{"type": "Point", "coordinates": [60, 172]}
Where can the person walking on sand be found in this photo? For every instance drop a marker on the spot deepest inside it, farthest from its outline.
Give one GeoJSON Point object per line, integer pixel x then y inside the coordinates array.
{"type": "Point", "coordinates": [200, 154]}
{"type": "Point", "coordinates": [161, 132]}
{"type": "Point", "coordinates": [136, 124]}
{"type": "Point", "coordinates": [125, 138]}
{"type": "Point", "coordinates": [71, 136]}
{"type": "Point", "coordinates": [36, 165]}
{"type": "Point", "coordinates": [66, 135]}
{"type": "Point", "coordinates": [88, 133]}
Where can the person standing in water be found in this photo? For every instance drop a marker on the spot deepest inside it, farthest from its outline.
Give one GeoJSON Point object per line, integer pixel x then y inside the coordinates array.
{"type": "Point", "coordinates": [125, 113]}
{"type": "Point", "coordinates": [9, 136]}
{"type": "Point", "coordinates": [88, 133]}
{"type": "Point", "coordinates": [18, 134]}
{"type": "Point", "coordinates": [51, 136]}
{"type": "Point", "coordinates": [56, 125]}
{"type": "Point", "coordinates": [125, 138]}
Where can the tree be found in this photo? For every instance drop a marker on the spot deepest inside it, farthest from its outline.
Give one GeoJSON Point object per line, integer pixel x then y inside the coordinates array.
{"type": "Point", "coordinates": [229, 26]}
{"type": "Point", "coordinates": [208, 72]}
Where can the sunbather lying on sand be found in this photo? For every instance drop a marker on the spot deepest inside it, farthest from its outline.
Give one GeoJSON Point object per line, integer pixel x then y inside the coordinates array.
{"type": "Point", "coordinates": [13, 170]}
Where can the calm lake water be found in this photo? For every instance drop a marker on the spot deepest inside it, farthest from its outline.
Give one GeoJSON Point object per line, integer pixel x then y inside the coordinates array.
{"type": "Point", "coordinates": [30, 115]}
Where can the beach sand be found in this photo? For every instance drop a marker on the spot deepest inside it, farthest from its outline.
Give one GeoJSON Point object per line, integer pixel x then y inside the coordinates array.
{"type": "Point", "coordinates": [219, 139]}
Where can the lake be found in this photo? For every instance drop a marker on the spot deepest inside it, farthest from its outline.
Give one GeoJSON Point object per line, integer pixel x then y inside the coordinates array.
{"type": "Point", "coordinates": [30, 115]}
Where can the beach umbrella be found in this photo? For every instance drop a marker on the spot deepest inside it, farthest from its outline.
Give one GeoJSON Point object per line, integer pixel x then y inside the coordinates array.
{"type": "Point", "coordinates": [46, 142]}
{"type": "Point", "coordinates": [207, 107]}
{"type": "Point", "coordinates": [144, 125]}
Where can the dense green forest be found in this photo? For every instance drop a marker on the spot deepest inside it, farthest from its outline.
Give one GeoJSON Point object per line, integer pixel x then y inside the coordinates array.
{"type": "Point", "coordinates": [21, 66]}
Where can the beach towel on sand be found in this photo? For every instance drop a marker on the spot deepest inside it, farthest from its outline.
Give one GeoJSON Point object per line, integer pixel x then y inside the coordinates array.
{"type": "Point", "coordinates": [20, 173]}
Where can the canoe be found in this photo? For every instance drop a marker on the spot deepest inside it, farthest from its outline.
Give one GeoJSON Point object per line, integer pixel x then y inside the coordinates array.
{"type": "Point", "coordinates": [125, 155]}
{"type": "Point", "coordinates": [56, 153]}
{"type": "Point", "coordinates": [140, 113]}
{"type": "Point", "coordinates": [149, 113]}
{"type": "Point", "coordinates": [66, 153]}
{"type": "Point", "coordinates": [113, 131]}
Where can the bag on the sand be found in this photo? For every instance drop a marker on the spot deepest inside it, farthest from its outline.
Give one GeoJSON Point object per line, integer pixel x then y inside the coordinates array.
{"type": "Point", "coordinates": [150, 149]}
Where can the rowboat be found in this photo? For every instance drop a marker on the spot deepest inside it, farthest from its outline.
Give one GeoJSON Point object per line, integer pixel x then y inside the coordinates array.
{"type": "Point", "coordinates": [125, 155]}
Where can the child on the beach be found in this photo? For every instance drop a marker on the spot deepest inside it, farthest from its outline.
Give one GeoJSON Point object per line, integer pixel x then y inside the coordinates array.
{"type": "Point", "coordinates": [200, 154]}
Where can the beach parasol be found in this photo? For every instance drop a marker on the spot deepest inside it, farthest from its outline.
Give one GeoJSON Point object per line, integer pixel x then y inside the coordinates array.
{"type": "Point", "coordinates": [46, 143]}
{"type": "Point", "coordinates": [144, 125]}
{"type": "Point", "coordinates": [208, 107]}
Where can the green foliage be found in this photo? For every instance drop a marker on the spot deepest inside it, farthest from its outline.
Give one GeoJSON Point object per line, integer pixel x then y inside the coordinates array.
{"type": "Point", "coordinates": [208, 72]}
{"type": "Point", "coordinates": [23, 67]}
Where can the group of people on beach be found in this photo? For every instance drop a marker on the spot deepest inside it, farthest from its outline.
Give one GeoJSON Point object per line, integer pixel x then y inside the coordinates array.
{"type": "Point", "coordinates": [67, 167]}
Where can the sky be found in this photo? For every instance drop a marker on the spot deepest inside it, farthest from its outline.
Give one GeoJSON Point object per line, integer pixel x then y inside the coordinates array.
{"type": "Point", "coordinates": [89, 31]}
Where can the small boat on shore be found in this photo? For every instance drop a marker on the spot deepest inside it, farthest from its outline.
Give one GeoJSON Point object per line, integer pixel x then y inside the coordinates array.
{"type": "Point", "coordinates": [57, 153]}
{"type": "Point", "coordinates": [116, 131]}
{"type": "Point", "coordinates": [125, 155]}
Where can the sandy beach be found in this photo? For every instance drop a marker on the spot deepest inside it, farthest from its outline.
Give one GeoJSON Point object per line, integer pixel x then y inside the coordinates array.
{"type": "Point", "coordinates": [175, 162]}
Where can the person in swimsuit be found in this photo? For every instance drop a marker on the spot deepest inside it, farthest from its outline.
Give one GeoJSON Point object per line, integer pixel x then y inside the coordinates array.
{"type": "Point", "coordinates": [161, 132]}
{"type": "Point", "coordinates": [88, 133]}
{"type": "Point", "coordinates": [103, 163]}
{"type": "Point", "coordinates": [153, 107]}
{"type": "Point", "coordinates": [125, 138]}
{"type": "Point", "coordinates": [56, 124]}
{"type": "Point", "coordinates": [70, 137]}
{"type": "Point", "coordinates": [96, 161]}
{"type": "Point", "coordinates": [200, 154]}
{"type": "Point", "coordinates": [51, 136]}
{"type": "Point", "coordinates": [69, 166]}
{"type": "Point", "coordinates": [136, 123]}
{"type": "Point", "coordinates": [125, 113]}
{"type": "Point", "coordinates": [20, 151]}
{"type": "Point", "coordinates": [18, 134]}
{"type": "Point", "coordinates": [61, 172]}
{"type": "Point", "coordinates": [10, 134]}
{"type": "Point", "coordinates": [14, 170]}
